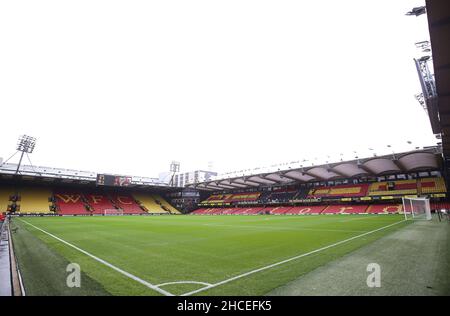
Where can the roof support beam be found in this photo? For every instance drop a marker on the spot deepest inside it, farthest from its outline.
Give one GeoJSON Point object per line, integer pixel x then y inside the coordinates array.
{"type": "Point", "coordinates": [219, 185]}
{"type": "Point", "coordinates": [268, 181]}
{"type": "Point", "coordinates": [290, 177]}
{"type": "Point", "coordinates": [246, 182]}
{"type": "Point", "coordinates": [235, 185]}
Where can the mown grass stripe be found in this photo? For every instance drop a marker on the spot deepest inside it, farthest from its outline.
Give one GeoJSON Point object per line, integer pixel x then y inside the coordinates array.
{"type": "Point", "coordinates": [127, 274]}
{"type": "Point", "coordinates": [288, 260]}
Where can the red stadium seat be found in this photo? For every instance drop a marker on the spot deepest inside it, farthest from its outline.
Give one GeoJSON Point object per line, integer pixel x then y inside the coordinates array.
{"type": "Point", "coordinates": [385, 209]}
{"type": "Point", "coordinates": [316, 209]}
{"type": "Point", "coordinates": [69, 203]}
{"type": "Point", "coordinates": [99, 203]}
{"type": "Point", "coordinates": [345, 209]}
{"type": "Point", "coordinates": [127, 204]}
{"type": "Point", "coordinates": [345, 190]}
{"type": "Point", "coordinates": [277, 210]}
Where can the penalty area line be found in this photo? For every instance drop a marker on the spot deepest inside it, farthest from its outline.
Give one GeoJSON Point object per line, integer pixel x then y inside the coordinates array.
{"type": "Point", "coordinates": [125, 273]}
{"type": "Point", "coordinates": [288, 260]}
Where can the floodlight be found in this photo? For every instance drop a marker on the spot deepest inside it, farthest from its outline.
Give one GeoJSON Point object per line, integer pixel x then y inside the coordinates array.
{"type": "Point", "coordinates": [417, 11]}
{"type": "Point", "coordinates": [26, 144]}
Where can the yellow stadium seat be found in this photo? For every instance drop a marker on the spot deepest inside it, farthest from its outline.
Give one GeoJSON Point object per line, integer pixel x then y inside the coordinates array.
{"type": "Point", "coordinates": [34, 200]}
{"type": "Point", "coordinates": [5, 193]}
{"type": "Point", "coordinates": [166, 204]}
{"type": "Point", "coordinates": [149, 203]}
{"type": "Point", "coordinates": [438, 187]}
{"type": "Point", "coordinates": [377, 188]}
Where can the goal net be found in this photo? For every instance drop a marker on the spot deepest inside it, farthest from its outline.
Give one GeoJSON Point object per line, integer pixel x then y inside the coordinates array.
{"type": "Point", "coordinates": [416, 208]}
{"type": "Point", "coordinates": [112, 212]}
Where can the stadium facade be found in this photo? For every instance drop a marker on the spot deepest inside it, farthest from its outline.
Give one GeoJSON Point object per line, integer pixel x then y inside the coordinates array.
{"type": "Point", "coordinates": [367, 185]}
{"type": "Point", "coordinates": [370, 185]}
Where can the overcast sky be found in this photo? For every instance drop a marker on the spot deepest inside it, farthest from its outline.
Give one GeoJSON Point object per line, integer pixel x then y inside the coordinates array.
{"type": "Point", "coordinates": [128, 86]}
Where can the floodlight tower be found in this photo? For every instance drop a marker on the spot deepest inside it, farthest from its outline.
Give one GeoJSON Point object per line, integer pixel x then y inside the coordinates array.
{"type": "Point", "coordinates": [26, 145]}
{"type": "Point", "coordinates": [428, 98]}
{"type": "Point", "coordinates": [417, 11]}
{"type": "Point", "coordinates": [174, 168]}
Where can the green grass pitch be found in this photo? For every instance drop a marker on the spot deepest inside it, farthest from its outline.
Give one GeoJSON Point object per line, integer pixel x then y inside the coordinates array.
{"type": "Point", "coordinates": [233, 254]}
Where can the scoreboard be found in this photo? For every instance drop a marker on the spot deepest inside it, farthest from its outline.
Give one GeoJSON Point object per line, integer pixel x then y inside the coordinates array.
{"type": "Point", "coordinates": [111, 180]}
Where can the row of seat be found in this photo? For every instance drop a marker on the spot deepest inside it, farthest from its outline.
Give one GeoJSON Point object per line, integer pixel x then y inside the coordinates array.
{"type": "Point", "coordinates": [44, 200]}
{"type": "Point", "coordinates": [395, 188]}
{"type": "Point", "coordinates": [348, 190]}
{"type": "Point", "coordinates": [399, 187]}
{"type": "Point", "coordinates": [298, 210]}
{"type": "Point", "coordinates": [136, 203]}
{"type": "Point", "coordinates": [236, 197]}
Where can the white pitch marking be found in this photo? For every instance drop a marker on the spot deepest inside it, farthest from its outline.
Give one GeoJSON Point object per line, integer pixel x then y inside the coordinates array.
{"type": "Point", "coordinates": [183, 282]}
{"type": "Point", "coordinates": [127, 274]}
{"type": "Point", "coordinates": [286, 260]}
{"type": "Point", "coordinates": [357, 219]}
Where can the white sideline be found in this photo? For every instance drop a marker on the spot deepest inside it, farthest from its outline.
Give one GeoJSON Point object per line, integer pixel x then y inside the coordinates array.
{"type": "Point", "coordinates": [129, 275]}
{"type": "Point", "coordinates": [183, 282]}
{"type": "Point", "coordinates": [287, 260]}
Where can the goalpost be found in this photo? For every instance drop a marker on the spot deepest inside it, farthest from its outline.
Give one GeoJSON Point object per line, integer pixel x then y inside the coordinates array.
{"type": "Point", "coordinates": [416, 208]}
{"type": "Point", "coordinates": [112, 211]}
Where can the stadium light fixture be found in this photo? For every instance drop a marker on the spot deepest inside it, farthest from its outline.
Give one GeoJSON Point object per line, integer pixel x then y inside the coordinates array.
{"type": "Point", "coordinates": [417, 11]}
{"type": "Point", "coordinates": [25, 144]}
{"type": "Point", "coordinates": [174, 168]}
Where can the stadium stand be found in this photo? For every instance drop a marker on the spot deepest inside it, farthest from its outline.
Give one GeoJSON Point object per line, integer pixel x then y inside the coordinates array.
{"type": "Point", "coordinates": [34, 200]}
{"type": "Point", "coordinates": [395, 208]}
{"type": "Point", "coordinates": [148, 203]}
{"type": "Point", "coordinates": [228, 211]}
{"type": "Point", "coordinates": [235, 197]}
{"type": "Point", "coordinates": [274, 201]}
{"type": "Point", "coordinates": [286, 210]}
{"type": "Point", "coordinates": [302, 193]}
{"type": "Point", "coordinates": [282, 195]}
{"type": "Point", "coordinates": [199, 211]}
{"type": "Point", "coordinates": [98, 203]}
{"type": "Point", "coordinates": [165, 205]}
{"type": "Point", "coordinates": [248, 211]}
{"type": "Point", "coordinates": [297, 210]}
{"type": "Point", "coordinates": [384, 208]}
{"type": "Point", "coordinates": [440, 205]}
{"type": "Point", "coordinates": [432, 185]}
{"type": "Point", "coordinates": [399, 187]}
{"type": "Point", "coordinates": [350, 190]}
{"type": "Point", "coordinates": [126, 203]}
{"type": "Point", "coordinates": [70, 203]}
{"type": "Point", "coordinates": [276, 210]}
{"type": "Point", "coordinates": [316, 209]}
{"type": "Point", "coordinates": [345, 209]}
{"type": "Point", "coordinates": [218, 197]}
{"type": "Point", "coordinates": [5, 194]}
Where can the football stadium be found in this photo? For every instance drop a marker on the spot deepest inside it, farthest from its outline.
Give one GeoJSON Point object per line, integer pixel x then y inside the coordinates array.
{"type": "Point", "coordinates": [370, 225]}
